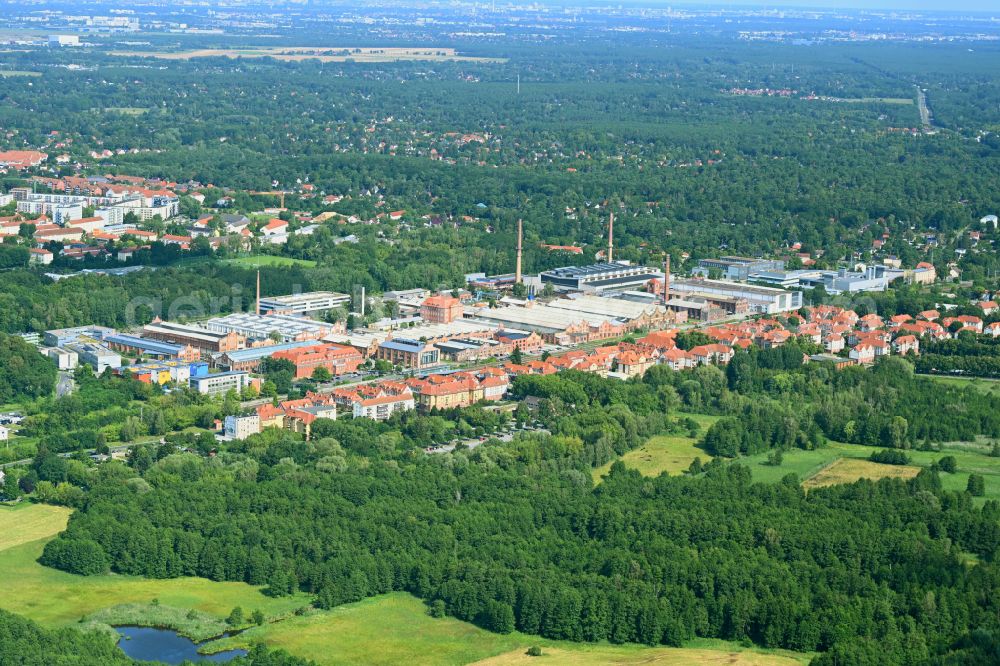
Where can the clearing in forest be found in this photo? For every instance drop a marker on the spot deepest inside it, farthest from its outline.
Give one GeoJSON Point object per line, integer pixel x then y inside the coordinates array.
{"type": "Point", "coordinates": [849, 470]}
{"type": "Point", "coordinates": [672, 454]}
{"type": "Point", "coordinates": [296, 53]}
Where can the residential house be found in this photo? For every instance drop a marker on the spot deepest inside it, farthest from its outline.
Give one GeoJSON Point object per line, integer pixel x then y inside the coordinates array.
{"type": "Point", "coordinates": [376, 401]}
{"type": "Point", "coordinates": [274, 227]}
{"type": "Point", "coordinates": [38, 255]}
{"type": "Point", "coordinates": [863, 353]}
{"type": "Point", "coordinates": [713, 353]}
{"type": "Point", "coordinates": [906, 344]}
{"type": "Point", "coordinates": [241, 427]}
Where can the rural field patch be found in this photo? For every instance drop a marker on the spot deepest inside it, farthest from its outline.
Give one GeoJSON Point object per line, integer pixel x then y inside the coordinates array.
{"type": "Point", "coordinates": [29, 522]}
{"type": "Point", "coordinates": [849, 470]}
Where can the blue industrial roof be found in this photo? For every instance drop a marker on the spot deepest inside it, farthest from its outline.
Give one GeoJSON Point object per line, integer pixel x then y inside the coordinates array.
{"type": "Point", "coordinates": [145, 344]}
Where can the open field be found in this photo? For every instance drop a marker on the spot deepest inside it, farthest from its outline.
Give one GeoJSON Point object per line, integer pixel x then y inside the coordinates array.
{"type": "Point", "coordinates": [803, 464]}
{"type": "Point", "coordinates": [388, 629]}
{"type": "Point", "coordinates": [25, 522]}
{"type": "Point", "coordinates": [985, 385]}
{"type": "Point", "coordinates": [395, 628]}
{"type": "Point", "coordinates": [715, 652]}
{"type": "Point", "coordinates": [970, 459]}
{"type": "Point", "coordinates": [124, 110]}
{"type": "Point", "coordinates": [9, 73]}
{"type": "Point", "coordinates": [869, 100]}
{"type": "Point", "coordinates": [56, 598]}
{"type": "Point", "coordinates": [849, 470]}
{"type": "Point", "coordinates": [297, 53]}
{"type": "Point", "coordinates": [270, 260]}
{"type": "Point", "coordinates": [664, 453]}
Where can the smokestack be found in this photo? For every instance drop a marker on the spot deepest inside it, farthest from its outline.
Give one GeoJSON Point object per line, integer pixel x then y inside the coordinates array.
{"type": "Point", "coordinates": [666, 280]}
{"type": "Point", "coordinates": [258, 292]}
{"type": "Point", "coordinates": [611, 237]}
{"type": "Point", "coordinates": [517, 271]}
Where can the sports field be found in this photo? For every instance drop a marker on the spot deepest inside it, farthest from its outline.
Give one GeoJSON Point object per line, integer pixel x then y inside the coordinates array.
{"type": "Point", "coordinates": [270, 260]}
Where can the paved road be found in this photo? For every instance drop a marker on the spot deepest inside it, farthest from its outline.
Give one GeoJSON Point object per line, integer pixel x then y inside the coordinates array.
{"type": "Point", "coordinates": [64, 384]}
{"type": "Point", "coordinates": [926, 119]}
{"type": "Point", "coordinates": [70, 454]}
{"type": "Point", "coordinates": [473, 443]}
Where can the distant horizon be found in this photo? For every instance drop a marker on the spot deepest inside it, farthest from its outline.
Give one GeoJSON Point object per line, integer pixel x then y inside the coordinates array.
{"type": "Point", "coordinates": [977, 6]}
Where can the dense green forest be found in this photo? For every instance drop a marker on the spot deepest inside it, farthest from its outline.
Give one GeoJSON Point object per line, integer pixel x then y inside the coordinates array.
{"type": "Point", "coordinates": [516, 536]}
{"type": "Point", "coordinates": [652, 127]}
{"type": "Point", "coordinates": [706, 141]}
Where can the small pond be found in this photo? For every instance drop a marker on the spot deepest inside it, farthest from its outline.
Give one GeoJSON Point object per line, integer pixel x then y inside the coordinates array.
{"type": "Point", "coordinates": [165, 645]}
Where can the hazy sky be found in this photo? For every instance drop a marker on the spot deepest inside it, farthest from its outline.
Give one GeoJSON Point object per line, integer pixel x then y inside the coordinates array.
{"type": "Point", "coordinates": [990, 6]}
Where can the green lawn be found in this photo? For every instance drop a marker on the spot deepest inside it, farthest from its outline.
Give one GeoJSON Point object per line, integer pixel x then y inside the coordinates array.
{"type": "Point", "coordinates": [55, 598]}
{"type": "Point", "coordinates": [698, 653]}
{"type": "Point", "coordinates": [395, 629]}
{"type": "Point", "coordinates": [664, 453]}
{"type": "Point", "coordinates": [807, 463]}
{"type": "Point", "coordinates": [795, 461]}
{"type": "Point", "coordinates": [270, 261]}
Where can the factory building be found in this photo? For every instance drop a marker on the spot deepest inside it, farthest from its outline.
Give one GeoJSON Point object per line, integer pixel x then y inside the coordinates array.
{"type": "Point", "coordinates": [304, 304]}
{"type": "Point", "coordinates": [249, 360]}
{"type": "Point", "coordinates": [281, 328]}
{"type": "Point", "coordinates": [210, 342]}
{"type": "Point", "coordinates": [599, 278]}
{"type": "Point", "coordinates": [637, 315]}
{"type": "Point", "coordinates": [63, 358]}
{"type": "Point", "coordinates": [130, 344]}
{"type": "Point", "coordinates": [99, 357]}
{"type": "Point", "coordinates": [760, 300]}
{"type": "Point", "coordinates": [843, 281]}
{"type": "Point", "coordinates": [554, 325]}
{"type": "Point", "coordinates": [736, 268]}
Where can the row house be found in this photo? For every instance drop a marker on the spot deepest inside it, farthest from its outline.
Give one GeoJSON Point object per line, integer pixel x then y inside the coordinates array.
{"type": "Point", "coordinates": [634, 362]}
{"type": "Point", "coordinates": [713, 353]}
{"type": "Point", "coordinates": [457, 390]}
{"type": "Point", "coordinates": [677, 359]}
{"type": "Point", "coordinates": [376, 401]}
{"type": "Point", "coordinates": [906, 344]}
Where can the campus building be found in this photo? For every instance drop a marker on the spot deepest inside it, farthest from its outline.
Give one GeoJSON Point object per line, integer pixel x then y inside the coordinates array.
{"type": "Point", "coordinates": [221, 383]}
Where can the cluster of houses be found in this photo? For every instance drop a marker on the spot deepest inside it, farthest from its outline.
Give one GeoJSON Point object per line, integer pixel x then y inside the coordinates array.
{"type": "Point", "coordinates": [377, 401]}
